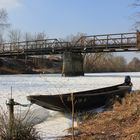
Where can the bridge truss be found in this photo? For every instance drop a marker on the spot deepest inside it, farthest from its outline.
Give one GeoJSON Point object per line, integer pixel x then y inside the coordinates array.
{"type": "Point", "coordinates": [86, 44]}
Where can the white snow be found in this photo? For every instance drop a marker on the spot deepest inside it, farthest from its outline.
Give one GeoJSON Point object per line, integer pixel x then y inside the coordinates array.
{"type": "Point", "coordinates": [50, 123]}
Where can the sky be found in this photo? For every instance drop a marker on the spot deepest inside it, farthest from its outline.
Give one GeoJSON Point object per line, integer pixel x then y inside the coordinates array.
{"type": "Point", "coordinates": [61, 18]}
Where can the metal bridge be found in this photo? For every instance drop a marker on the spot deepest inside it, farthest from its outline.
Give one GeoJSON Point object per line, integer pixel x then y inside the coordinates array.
{"type": "Point", "coordinates": [120, 42]}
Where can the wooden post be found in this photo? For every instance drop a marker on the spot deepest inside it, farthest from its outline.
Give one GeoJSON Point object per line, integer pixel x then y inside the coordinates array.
{"type": "Point", "coordinates": [11, 122]}
{"type": "Point", "coordinates": [72, 101]}
{"type": "Point", "coordinates": [10, 105]}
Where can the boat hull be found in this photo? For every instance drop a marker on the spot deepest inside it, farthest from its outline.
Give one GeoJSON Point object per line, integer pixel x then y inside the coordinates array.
{"type": "Point", "coordinates": [82, 101]}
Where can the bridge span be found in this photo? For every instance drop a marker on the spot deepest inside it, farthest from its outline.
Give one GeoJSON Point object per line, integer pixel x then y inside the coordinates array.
{"type": "Point", "coordinates": [72, 52]}
{"type": "Point", "coordinates": [86, 44]}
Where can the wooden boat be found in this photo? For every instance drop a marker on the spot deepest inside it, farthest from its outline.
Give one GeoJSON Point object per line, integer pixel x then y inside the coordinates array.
{"type": "Point", "coordinates": [83, 100]}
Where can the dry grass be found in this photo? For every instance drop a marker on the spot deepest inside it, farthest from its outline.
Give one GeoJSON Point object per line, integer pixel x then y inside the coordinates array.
{"type": "Point", "coordinates": [122, 123]}
{"type": "Point", "coordinates": [19, 130]}
{"type": "Point", "coordinates": [5, 70]}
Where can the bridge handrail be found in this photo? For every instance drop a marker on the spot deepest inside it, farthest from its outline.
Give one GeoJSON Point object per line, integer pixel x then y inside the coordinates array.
{"type": "Point", "coordinates": [107, 37]}
{"type": "Point", "coordinates": [84, 43]}
{"type": "Point", "coordinates": [115, 34]}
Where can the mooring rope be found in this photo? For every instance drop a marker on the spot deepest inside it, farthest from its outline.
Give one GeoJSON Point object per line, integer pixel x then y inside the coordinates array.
{"type": "Point", "coordinates": [23, 105]}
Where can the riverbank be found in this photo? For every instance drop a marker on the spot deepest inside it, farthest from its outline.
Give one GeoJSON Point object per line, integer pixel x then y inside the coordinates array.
{"type": "Point", "coordinates": [121, 123]}
{"type": "Point", "coordinates": [21, 66]}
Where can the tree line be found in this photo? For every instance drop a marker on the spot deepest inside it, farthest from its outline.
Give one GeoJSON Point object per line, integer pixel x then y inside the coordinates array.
{"type": "Point", "coordinates": [111, 63]}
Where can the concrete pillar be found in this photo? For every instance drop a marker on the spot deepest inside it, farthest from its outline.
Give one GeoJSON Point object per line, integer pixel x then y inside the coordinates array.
{"type": "Point", "coordinates": [72, 64]}
{"type": "Point", "coordinates": [138, 40]}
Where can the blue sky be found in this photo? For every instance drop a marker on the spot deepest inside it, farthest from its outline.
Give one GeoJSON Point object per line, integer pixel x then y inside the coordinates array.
{"type": "Point", "coordinates": [60, 18]}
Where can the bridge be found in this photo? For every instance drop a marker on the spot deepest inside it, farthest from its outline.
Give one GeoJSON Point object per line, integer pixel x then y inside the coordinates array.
{"type": "Point", "coordinates": [86, 44]}
{"type": "Point", "coordinates": [72, 52]}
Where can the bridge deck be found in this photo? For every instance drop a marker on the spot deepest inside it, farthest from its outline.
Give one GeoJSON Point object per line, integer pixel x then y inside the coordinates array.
{"type": "Point", "coordinates": [86, 44]}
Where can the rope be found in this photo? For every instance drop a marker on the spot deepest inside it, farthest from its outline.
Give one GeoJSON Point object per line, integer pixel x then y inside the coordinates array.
{"type": "Point", "coordinates": [23, 105]}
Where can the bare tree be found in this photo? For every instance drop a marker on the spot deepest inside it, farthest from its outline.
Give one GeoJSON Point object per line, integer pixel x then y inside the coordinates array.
{"type": "Point", "coordinates": [3, 23]}
{"type": "Point", "coordinates": [134, 65]}
{"type": "Point", "coordinates": [36, 36]}
{"type": "Point", "coordinates": [74, 38]}
{"type": "Point", "coordinates": [40, 36]}
{"type": "Point", "coordinates": [27, 36]}
{"type": "Point", "coordinates": [136, 25]}
{"type": "Point", "coordinates": [3, 19]}
{"type": "Point", "coordinates": [14, 35]}
{"type": "Point", "coordinates": [119, 63]}
{"type": "Point", "coordinates": [136, 3]}
{"type": "Point", "coordinates": [97, 61]}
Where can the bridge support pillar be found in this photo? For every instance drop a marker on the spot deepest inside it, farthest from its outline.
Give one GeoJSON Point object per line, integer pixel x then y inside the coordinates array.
{"type": "Point", "coordinates": [138, 40]}
{"type": "Point", "coordinates": [72, 64]}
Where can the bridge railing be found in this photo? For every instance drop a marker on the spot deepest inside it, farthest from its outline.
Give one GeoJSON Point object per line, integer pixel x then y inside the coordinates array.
{"type": "Point", "coordinates": [107, 40]}
{"type": "Point", "coordinates": [32, 45]}
{"type": "Point", "coordinates": [86, 44]}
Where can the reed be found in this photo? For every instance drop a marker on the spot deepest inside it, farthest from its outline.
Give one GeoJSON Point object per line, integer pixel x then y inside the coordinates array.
{"type": "Point", "coordinates": [21, 130]}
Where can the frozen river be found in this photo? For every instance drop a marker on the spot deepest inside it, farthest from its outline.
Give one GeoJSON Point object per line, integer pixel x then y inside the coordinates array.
{"type": "Point", "coordinates": [49, 123]}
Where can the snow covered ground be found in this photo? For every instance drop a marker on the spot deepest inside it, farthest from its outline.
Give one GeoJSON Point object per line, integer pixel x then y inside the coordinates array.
{"type": "Point", "coordinates": [50, 123]}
